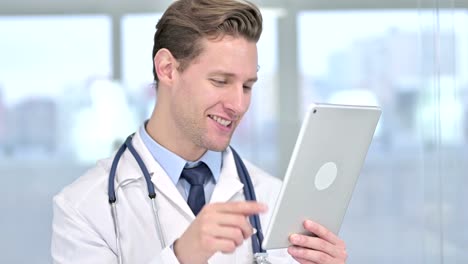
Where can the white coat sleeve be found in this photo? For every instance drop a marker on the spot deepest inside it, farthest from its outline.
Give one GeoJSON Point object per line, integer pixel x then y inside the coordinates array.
{"type": "Point", "coordinates": [75, 241]}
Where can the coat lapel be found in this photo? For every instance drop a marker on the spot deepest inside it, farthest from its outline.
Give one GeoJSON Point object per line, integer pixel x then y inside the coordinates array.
{"type": "Point", "coordinates": [228, 183]}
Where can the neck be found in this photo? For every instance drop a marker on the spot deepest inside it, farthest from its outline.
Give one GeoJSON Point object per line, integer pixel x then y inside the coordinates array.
{"type": "Point", "coordinates": [163, 130]}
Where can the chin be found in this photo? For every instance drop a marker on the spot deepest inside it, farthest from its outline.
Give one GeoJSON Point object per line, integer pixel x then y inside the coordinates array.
{"type": "Point", "coordinates": [217, 143]}
{"type": "Point", "coordinates": [218, 146]}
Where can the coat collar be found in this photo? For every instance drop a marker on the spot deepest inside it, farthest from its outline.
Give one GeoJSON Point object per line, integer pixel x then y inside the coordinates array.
{"type": "Point", "coordinates": [229, 183]}
{"type": "Point", "coordinates": [227, 186]}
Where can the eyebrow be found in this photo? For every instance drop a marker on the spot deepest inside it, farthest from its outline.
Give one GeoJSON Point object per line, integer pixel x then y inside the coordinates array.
{"type": "Point", "coordinates": [231, 75]}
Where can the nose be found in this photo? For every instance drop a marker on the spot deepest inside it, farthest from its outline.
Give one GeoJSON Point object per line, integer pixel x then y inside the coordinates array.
{"type": "Point", "coordinates": [237, 101]}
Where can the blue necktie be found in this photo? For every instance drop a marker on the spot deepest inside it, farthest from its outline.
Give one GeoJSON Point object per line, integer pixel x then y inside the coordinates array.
{"type": "Point", "coordinates": [196, 177]}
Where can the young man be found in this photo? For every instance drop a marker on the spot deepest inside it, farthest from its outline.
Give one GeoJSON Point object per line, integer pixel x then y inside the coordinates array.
{"type": "Point", "coordinates": [205, 64]}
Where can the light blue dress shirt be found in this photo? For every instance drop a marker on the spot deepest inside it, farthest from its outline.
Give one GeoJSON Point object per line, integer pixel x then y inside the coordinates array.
{"type": "Point", "coordinates": [173, 165]}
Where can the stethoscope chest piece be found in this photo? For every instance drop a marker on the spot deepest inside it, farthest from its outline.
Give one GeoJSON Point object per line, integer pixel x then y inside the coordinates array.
{"type": "Point", "coordinates": [261, 258]}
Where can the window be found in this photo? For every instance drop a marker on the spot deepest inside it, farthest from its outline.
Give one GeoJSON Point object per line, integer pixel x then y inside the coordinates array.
{"type": "Point", "coordinates": [47, 66]}
{"type": "Point", "coordinates": [411, 63]}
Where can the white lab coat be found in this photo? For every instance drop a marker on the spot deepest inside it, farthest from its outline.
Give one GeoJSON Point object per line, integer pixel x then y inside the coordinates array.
{"type": "Point", "coordinates": [83, 230]}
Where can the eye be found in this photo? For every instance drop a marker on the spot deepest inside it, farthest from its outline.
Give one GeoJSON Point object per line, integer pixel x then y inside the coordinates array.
{"type": "Point", "coordinates": [247, 87]}
{"type": "Point", "coordinates": [218, 82]}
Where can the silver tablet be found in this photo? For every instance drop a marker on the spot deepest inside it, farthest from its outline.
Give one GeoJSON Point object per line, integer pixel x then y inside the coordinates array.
{"type": "Point", "coordinates": [326, 162]}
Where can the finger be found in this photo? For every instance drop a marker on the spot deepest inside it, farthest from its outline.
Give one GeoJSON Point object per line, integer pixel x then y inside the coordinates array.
{"type": "Point", "coordinates": [223, 245]}
{"type": "Point", "coordinates": [319, 244]}
{"type": "Point", "coordinates": [237, 221]}
{"type": "Point", "coordinates": [245, 207]}
{"type": "Point", "coordinates": [228, 233]}
{"type": "Point", "coordinates": [323, 232]}
{"type": "Point", "coordinates": [221, 214]}
{"type": "Point", "coordinates": [215, 238]}
{"type": "Point", "coordinates": [309, 255]}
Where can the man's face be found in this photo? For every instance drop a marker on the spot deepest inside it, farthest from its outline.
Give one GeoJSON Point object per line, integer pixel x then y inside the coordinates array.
{"type": "Point", "coordinates": [212, 94]}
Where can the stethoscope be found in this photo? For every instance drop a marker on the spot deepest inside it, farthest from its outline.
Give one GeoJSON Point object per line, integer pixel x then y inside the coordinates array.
{"type": "Point", "coordinates": [260, 255]}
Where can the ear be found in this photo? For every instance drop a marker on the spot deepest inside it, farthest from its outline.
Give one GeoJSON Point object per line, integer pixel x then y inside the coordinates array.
{"type": "Point", "coordinates": [165, 65]}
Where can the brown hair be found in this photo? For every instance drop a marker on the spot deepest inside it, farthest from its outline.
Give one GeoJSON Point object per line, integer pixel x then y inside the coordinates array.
{"type": "Point", "coordinates": [186, 22]}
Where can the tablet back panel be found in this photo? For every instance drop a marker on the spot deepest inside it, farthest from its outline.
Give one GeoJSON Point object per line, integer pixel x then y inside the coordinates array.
{"type": "Point", "coordinates": [323, 170]}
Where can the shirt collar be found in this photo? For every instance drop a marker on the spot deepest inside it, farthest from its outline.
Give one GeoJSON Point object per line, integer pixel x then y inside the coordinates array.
{"type": "Point", "coordinates": [173, 164]}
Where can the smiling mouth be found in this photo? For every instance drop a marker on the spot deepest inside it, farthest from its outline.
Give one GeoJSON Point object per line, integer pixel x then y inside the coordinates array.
{"type": "Point", "coordinates": [221, 121]}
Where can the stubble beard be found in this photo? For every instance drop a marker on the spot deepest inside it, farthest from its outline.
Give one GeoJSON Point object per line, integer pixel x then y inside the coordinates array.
{"type": "Point", "coordinates": [198, 134]}
{"type": "Point", "coordinates": [202, 138]}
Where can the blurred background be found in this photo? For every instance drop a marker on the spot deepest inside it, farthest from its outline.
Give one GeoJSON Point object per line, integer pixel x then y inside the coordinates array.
{"type": "Point", "coordinates": [76, 79]}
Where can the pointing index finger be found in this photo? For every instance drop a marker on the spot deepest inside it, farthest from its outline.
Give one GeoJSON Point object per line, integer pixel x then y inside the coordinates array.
{"type": "Point", "coordinates": [245, 208]}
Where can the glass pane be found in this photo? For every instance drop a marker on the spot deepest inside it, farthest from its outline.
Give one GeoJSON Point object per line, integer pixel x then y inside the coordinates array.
{"type": "Point", "coordinates": [47, 66]}
{"type": "Point", "coordinates": [137, 63]}
{"type": "Point", "coordinates": [406, 207]}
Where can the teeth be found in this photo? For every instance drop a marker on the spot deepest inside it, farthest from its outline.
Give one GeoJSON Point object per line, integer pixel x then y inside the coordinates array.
{"type": "Point", "coordinates": [220, 120]}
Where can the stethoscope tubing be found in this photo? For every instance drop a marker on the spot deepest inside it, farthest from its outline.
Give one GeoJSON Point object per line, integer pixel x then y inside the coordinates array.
{"type": "Point", "coordinates": [113, 198]}
{"type": "Point", "coordinates": [249, 193]}
{"type": "Point", "coordinates": [117, 232]}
